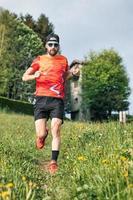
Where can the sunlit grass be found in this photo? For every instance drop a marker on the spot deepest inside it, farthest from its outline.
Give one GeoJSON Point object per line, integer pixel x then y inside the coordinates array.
{"type": "Point", "coordinates": [95, 162]}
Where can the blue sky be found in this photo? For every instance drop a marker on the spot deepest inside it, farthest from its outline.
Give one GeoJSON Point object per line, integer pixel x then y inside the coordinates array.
{"type": "Point", "coordinates": [85, 25]}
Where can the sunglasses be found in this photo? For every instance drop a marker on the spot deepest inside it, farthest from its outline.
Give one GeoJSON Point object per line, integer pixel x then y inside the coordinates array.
{"type": "Point", "coordinates": [53, 45]}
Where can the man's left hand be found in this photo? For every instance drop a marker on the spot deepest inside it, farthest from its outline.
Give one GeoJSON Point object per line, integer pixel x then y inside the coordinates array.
{"type": "Point", "coordinates": [75, 70]}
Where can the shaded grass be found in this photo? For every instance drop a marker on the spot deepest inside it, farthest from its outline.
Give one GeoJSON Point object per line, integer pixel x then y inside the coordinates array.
{"type": "Point", "coordinates": [96, 161]}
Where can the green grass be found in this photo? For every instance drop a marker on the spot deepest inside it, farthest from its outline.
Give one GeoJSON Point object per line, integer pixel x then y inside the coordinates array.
{"type": "Point", "coordinates": [95, 162]}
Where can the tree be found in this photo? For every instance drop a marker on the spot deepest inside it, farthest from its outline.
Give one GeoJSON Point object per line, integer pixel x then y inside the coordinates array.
{"type": "Point", "coordinates": [6, 27]}
{"type": "Point", "coordinates": [28, 21]}
{"type": "Point", "coordinates": [105, 84]}
{"type": "Point", "coordinates": [42, 26]}
{"type": "Point", "coordinates": [23, 45]}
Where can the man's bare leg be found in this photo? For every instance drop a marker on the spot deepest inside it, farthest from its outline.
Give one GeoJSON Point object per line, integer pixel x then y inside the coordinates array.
{"type": "Point", "coordinates": [41, 132]}
{"type": "Point", "coordinates": [55, 130]}
{"type": "Point", "coordinates": [56, 141]}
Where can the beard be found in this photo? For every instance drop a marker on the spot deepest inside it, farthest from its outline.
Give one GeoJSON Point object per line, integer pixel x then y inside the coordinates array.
{"type": "Point", "coordinates": [52, 52]}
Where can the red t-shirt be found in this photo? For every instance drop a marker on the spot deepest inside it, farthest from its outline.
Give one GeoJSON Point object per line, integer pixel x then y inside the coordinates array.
{"type": "Point", "coordinates": [52, 79]}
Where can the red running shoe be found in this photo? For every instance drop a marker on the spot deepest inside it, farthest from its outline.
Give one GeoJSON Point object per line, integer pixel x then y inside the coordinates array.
{"type": "Point", "coordinates": [53, 167]}
{"type": "Point", "coordinates": [40, 141]}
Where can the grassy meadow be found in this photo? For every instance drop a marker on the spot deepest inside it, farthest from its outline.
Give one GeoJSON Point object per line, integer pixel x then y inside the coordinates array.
{"type": "Point", "coordinates": [95, 162]}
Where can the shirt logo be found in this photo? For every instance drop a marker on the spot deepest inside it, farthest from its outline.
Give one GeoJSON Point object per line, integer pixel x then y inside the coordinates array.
{"type": "Point", "coordinates": [54, 90]}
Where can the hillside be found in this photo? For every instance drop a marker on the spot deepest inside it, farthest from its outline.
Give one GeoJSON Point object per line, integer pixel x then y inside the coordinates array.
{"type": "Point", "coordinates": [96, 161]}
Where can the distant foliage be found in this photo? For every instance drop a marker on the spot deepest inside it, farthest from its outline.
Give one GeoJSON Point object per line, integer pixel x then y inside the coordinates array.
{"type": "Point", "coordinates": [105, 84]}
{"type": "Point", "coordinates": [19, 45]}
{"type": "Point", "coordinates": [21, 40]}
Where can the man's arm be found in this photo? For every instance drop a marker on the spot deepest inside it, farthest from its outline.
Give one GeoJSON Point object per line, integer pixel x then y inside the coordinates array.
{"type": "Point", "coordinates": [74, 71]}
{"type": "Point", "coordinates": [30, 75]}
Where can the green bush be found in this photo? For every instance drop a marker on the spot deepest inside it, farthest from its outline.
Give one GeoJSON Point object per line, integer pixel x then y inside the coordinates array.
{"type": "Point", "coordinates": [16, 106]}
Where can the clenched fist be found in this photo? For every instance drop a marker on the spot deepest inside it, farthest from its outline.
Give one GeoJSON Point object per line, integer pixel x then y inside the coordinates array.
{"type": "Point", "coordinates": [75, 70]}
{"type": "Point", "coordinates": [37, 74]}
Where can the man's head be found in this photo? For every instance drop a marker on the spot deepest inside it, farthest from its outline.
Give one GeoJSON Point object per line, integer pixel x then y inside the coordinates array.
{"type": "Point", "coordinates": [52, 44]}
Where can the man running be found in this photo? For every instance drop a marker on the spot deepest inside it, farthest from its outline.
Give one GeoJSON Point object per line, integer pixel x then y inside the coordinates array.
{"type": "Point", "coordinates": [50, 72]}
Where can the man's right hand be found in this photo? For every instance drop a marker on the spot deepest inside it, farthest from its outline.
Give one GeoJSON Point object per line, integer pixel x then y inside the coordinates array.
{"type": "Point", "coordinates": [37, 74]}
{"type": "Point", "coordinates": [30, 75]}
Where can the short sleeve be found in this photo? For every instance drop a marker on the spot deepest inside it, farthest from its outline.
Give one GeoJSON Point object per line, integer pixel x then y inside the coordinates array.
{"type": "Point", "coordinates": [35, 64]}
{"type": "Point", "coordinates": [67, 67]}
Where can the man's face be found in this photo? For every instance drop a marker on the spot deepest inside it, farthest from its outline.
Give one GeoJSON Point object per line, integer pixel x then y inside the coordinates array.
{"type": "Point", "coordinates": [52, 48]}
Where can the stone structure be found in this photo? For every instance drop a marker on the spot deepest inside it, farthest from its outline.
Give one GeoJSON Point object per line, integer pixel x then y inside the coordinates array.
{"type": "Point", "coordinates": [76, 99]}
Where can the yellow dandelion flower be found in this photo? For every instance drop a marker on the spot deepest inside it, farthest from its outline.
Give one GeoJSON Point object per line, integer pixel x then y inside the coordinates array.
{"type": "Point", "coordinates": [125, 174]}
{"type": "Point", "coordinates": [34, 185]}
{"type": "Point", "coordinates": [123, 158]}
{"type": "Point", "coordinates": [30, 183]}
{"type": "Point", "coordinates": [9, 185]}
{"type": "Point", "coordinates": [4, 194]}
{"type": "Point", "coordinates": [82, 158]}
{"type": "Point", "coordinates": [130, 185]}
{"type": "Point", "coordinates": [105, 161]}
{"type": "Point", "coordinates": [23, 178]}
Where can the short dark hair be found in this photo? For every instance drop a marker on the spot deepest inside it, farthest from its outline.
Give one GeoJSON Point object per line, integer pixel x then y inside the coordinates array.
{"type": "Point", "coordinates": [53, 37]}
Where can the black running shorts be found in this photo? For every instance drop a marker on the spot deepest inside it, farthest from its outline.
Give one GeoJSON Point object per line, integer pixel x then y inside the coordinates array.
{"type": "Point", "coordinates": [48, 107]}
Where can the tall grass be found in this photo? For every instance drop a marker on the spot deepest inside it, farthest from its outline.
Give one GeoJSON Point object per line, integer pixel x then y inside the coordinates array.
{"type": "Point", "coordinates": [95, 162]}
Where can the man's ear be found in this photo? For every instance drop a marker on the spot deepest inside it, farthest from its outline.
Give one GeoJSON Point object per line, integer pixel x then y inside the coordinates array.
{"type": "Point", "coordinates": [45, 48]}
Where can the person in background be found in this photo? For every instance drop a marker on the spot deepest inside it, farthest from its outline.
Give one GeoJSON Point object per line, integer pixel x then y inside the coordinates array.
{"type": "Point", "coordinates": [50, 71]}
